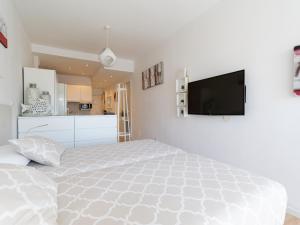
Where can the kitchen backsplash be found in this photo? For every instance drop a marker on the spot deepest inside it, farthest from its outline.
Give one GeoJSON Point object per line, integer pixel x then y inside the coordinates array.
{"type": "Point", "coordinates": [73, 109]}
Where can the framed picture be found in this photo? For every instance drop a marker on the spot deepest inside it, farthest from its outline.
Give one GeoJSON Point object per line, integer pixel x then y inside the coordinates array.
{"type": "Point", "coordinates": [153, 76]}
{"type": "Point", "coordinates": [3, 33]}
{"type": "Point", "coordinates": [296, 81]}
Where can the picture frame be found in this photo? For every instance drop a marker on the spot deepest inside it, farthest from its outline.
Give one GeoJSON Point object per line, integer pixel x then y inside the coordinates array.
{"type": "Point", "coordinates": [153, 76]}
{"type": "Point", "coordinates": [296, 77]}
{"type": "Point", "coordinates": [3, 33]}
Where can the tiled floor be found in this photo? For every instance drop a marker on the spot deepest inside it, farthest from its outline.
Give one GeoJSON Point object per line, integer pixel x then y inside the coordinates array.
{"type": "Point", "coordinates": [291, 220]}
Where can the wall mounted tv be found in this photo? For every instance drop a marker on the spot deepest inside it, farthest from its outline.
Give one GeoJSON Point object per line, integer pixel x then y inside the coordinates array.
{"type": "Point", "coordinates": [220, 95]}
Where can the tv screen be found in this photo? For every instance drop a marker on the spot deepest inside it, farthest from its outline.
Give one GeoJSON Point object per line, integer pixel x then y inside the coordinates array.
{"type": "Point", "coordinates": [220, 95]}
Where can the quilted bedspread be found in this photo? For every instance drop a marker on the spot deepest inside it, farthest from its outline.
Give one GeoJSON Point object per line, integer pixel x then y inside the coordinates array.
{"type": "Point", "coordinates": [105, 156]}
{"type": "Point", "coordinates": [178, 189]}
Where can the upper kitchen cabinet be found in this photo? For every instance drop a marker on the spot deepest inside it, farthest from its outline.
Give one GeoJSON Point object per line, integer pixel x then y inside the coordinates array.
{"type": "Point", "coordinates": [44, 80]}
{"type": "Point", "coordinates": [78, 93]}
{"type": "Point", "coordinates": [73, 93]}
{"type": "Point", "coordinates": [85, 94]}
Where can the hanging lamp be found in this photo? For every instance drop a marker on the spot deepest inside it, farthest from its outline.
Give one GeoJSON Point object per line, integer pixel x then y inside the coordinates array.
{"type": "Point", "coordinates": [107, 57]}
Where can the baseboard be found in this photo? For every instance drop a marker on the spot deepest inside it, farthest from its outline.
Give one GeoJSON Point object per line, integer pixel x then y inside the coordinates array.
{"type": "Point", "coordinates": [293, 211]}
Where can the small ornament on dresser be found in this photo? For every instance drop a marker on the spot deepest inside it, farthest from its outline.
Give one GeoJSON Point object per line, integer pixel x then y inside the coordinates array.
{"type": "Point", "coordinates": [38, 108]}
{"type": "Point", "coordinates": [32, 94]}
{"type": "Point", "coordinates": [47, 97]}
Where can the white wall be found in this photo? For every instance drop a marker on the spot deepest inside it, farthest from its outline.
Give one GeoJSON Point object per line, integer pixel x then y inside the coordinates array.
{"type": "Point", "coordinates": [256, 35]}
{"type": "Point", "coordinates": [13, 59]}
{"type": "Point", "coordinates": [74, 80]}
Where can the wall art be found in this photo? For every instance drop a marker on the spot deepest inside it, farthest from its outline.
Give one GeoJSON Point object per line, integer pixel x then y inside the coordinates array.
{"type": "Point", "coordinates": [3, 33]}
{"type": "Point", "coordinates": [153, 76]}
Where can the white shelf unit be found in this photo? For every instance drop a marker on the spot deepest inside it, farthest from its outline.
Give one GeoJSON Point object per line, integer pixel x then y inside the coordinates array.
{"type": "Point", "coordinates": [182, 96]}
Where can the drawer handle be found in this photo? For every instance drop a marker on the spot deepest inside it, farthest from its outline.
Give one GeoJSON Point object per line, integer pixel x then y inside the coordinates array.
{"type": "Point", "coordinates": [33, 128]}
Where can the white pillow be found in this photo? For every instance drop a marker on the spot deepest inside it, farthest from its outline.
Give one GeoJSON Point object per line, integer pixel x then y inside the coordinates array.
{"type": "Point", "coordinates": [9, 155]}
{"type": "Point", "coordinates": [26, 196]}
{"type": "Point", "coordinates": [40, 149]}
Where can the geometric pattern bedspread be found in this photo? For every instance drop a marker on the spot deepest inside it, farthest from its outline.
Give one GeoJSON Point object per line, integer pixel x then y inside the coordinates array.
{"type": "Point", "coordinates": [180, 189]}
{"type": "Point", "coordinates": [105, 156]}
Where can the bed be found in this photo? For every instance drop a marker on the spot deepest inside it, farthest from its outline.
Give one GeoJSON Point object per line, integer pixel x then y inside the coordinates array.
{"type": "Point", "coordinates": [148, 182]}
{"type": "Point", "coordinates": [180, 189]}
{"type": "Point", "coordinates": [105, 156]}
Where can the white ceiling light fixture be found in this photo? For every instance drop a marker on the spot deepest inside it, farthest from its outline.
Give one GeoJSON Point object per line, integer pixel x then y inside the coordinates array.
{"type": "Point", "coordinates": [107, 57]}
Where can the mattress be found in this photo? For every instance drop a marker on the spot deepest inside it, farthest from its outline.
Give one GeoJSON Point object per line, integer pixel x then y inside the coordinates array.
{"type": "Point", "coordinates": [178, 189]}
{"type": "Point", "coordinates": [105, 156]}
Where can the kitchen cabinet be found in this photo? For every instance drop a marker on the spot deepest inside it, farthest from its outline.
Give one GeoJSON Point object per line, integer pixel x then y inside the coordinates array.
{"type": "Point", "coordinates": [85, 94]}
{"type": "Point", "coordinates": [78, 93]}
{"type": "Point", "coordinates": [73, 93]}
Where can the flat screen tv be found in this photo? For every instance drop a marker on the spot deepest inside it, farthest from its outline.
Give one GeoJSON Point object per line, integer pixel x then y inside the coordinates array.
{"type": "Point", "coordinates": [220, 95]}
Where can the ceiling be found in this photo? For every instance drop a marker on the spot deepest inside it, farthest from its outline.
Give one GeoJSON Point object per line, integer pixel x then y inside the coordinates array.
{"type": "Point", "coordinates": [68, 66]}
{"type": "Point", "coordinates": [137, 25]}
{"type": "Point", "coordinates": [101, 77]}
{"type": "Point", "coordinates": [107, 78]}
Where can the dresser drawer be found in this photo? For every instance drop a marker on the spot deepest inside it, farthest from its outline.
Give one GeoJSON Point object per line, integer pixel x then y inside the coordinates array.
{"type": "Point", "coordinates": [89, 122]}
{"type": "Point", "coordinates": [111, 140]}
{"type": "Point", "coordinates": [59, 129]}
{"type": "Point", "coordinates": [63, 136]}
{"type": "Point", "coordinates": [93, 133]}
{"type": "Point", "coordinates": [71, 131]}
{"type": "Point", "coordinates": [38, 124]}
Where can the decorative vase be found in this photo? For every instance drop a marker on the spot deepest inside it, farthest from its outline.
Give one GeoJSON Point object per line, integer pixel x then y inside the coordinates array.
{"type": "Point", "coordinates": [33, 93]}
{"type": "Point", "coordinates": [47, 97]}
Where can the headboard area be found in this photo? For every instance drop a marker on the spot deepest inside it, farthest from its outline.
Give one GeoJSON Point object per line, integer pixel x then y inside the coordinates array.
{"type": "Point", "coordinates": [5, 123]}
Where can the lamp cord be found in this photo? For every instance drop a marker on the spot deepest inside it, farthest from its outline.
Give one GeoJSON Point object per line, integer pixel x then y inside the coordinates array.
{"type": "Point", "coordinates": [107, 29]}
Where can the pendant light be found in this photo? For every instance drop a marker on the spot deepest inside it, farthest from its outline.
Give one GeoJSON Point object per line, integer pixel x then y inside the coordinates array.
{"type": "Point", "coordinates": [107, 57]}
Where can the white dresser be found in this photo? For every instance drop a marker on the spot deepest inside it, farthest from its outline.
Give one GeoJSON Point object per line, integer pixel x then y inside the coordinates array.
{"type": "Point", "coordinates": [92, 130]}
{"type": "Point", "coordinates": [72, 131]}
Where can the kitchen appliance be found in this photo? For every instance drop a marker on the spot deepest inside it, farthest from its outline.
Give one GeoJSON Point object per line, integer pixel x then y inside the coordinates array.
{"type": "Point", "coordinates": [43, 80]}
{"type": "Point", "coordinates": [85, 106]}
{"type": "Point", "coordinates": [220, 95]}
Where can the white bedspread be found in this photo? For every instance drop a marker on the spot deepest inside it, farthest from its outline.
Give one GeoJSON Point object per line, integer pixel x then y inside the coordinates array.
{"type": "Point", "coordinates": [181, 189]}
{"type": "Point", "coordinates": [105, 156]}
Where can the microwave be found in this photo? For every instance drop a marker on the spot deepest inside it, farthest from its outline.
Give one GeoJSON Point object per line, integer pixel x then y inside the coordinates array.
{"type": "Point", "coordinates": [85, 106]}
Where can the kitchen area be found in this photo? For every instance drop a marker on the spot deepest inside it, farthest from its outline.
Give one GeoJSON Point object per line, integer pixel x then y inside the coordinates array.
{"type": "Point", "coordinates": [75, 109]}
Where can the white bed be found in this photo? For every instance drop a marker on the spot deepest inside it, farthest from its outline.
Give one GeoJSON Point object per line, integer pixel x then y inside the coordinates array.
{"type": "Point", "coordinates": [105, 156]}
{"type": "Point", "coordinates": [148, 182]}
{"type": "Point", "coordinates": [181, 189]}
